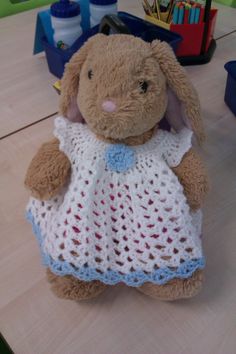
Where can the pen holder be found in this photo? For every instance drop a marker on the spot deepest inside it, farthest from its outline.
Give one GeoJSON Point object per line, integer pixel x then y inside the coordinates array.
{"type": "Point", "coordinates": [162, 23]}
{"type": "Point", "coordinates": [192, 34]}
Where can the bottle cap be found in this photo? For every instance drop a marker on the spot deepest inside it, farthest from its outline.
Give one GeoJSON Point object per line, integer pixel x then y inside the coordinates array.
{"type": "Point", "coordinates": [65, 9]}
{"type": "Point", "coordinates": [103, 2]}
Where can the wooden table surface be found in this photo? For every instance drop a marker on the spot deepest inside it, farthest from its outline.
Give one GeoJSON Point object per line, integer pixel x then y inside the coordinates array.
{"type": "Point", "coordinates": [122, 321]}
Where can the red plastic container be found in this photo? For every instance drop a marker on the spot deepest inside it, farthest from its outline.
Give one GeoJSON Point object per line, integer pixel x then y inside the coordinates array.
{"type": "Point", "coordinates": [192, 36]}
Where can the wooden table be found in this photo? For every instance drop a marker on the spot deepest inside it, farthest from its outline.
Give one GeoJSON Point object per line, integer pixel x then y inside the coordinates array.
{"type": "Point", "coordinates": [122, 321]}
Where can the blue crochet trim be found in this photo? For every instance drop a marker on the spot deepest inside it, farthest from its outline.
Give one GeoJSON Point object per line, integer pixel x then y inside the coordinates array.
{"type": "Point", "coordinates": [119, 157]}
{"type": "Point", "coordinates": [137, 278]}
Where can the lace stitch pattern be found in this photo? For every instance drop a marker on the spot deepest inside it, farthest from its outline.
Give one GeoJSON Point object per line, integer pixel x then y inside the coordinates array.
{"type": "Point", "coordinates": [135, 279]}
{"type": "Point", "coordinates": [132, 224]}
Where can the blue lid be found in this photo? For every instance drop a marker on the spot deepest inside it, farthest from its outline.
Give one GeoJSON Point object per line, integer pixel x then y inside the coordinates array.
{"type": "Point", "coordinates": [65, 9]}
{"type": "Point", "coordinates": [103, 2]}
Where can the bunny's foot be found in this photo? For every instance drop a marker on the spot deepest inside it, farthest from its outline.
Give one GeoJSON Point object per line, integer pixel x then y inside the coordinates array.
{"type": "Point", "coordinates": [69, 287]}
{"type": "Point", "coordinates": [175, 289]}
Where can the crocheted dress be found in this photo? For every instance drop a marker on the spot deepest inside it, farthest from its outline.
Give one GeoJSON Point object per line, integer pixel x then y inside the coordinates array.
{"type": "Point", "coordinates": [123, 216]}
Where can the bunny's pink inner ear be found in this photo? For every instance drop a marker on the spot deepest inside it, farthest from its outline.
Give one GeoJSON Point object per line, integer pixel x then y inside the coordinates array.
{"type": "Point", "coordinates": [73, 112]}
{"type": "Point", "coordinates": [175, 113]}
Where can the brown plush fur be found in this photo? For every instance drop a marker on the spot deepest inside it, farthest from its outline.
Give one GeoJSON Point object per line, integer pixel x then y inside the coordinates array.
{"type": "Point", "coordinates": [69, 287]}
{"type": "Point", "coordinates": [119, 63]}
{"type": "Point", "coordinates": [48, 171]}
{"type": "Point", "coordinates": [175, 289]}
{"type": "Point", "coordinates": [194, 179]}
{"type": "Point", "coordinates": [118, 66]}
{"type": "Point", "coordinates": [181, 85]}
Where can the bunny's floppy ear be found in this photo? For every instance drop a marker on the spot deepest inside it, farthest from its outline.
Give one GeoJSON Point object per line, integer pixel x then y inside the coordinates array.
{"type": "Point", "coordinates": [70, 82]}
{"type": "Point", "coordinates": [183, 102]}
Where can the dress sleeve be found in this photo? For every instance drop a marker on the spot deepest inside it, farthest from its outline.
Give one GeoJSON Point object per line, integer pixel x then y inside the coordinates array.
{"type": "Point", "coordinates": [175, 146]}
{"type": "Point", "coordinates": [62, 133]}
{"type": "Point", "coordinates": [73, 137]}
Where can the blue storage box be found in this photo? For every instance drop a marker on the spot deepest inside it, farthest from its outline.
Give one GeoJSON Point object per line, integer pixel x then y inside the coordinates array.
{"type": "Point", "coordinates": [57, 58]}
{"type": "Point", "coordinates": [230, 90]}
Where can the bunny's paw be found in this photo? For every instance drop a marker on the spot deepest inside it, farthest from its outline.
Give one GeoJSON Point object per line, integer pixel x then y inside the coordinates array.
{"type": "Point", "coordinates": [48, 171]}
{"type": "Point", "coordinates": [71, 288]}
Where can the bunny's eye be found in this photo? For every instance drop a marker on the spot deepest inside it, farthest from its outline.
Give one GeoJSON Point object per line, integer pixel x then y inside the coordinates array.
{"type": "Point", "coordinates": [143, 85]}
{"type": "Point", "coordinates": [90, 74]}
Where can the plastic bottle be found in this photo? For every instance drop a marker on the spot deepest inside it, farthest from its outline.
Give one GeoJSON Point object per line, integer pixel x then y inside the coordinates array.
{"type": "Point", "coordinates": [65, 17]}
{"type": "Point", "coordinates": [100, 8]}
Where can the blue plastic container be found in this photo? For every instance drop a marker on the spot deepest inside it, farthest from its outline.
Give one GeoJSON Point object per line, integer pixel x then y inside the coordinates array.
{"type": "Point", "coordinates": [57, 58]}
{"type": "Point", "coordinates": [230, 90]}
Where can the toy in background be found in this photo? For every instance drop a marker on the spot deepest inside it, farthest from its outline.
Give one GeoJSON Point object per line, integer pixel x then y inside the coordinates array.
{"type": "Point", "coordinates": [117, 199]}
{"type": "Point", "coordinates": [100, 8]}
{"type": "Point", "coordinates": [193, 20]}
{"type": "Point", "coordinates": [65, 17]}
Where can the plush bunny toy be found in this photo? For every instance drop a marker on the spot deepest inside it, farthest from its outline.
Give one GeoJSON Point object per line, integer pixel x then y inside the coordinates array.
{"type": "Point", "coordinates": [115, 199]}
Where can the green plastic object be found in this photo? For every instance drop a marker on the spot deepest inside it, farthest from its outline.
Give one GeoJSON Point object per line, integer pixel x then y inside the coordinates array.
{"type": "Point", "coordinates": [11, 7]}
{"type": "Point", "coordinates": [231, 3]}
{"type": "Point", "coordinates": [4, 346]}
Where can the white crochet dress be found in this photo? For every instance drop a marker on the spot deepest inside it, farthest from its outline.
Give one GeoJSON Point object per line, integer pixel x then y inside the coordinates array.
{"type": "Point", "coordinates": [123, 216]}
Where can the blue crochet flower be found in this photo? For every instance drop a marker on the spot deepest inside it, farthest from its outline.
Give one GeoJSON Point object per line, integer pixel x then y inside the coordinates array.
{"type": "Point", "coordinates": [119, 157]}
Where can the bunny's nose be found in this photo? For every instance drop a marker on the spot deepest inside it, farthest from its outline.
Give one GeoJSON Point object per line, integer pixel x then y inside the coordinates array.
{"type": "Point", "coordinates": [109, 106]}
